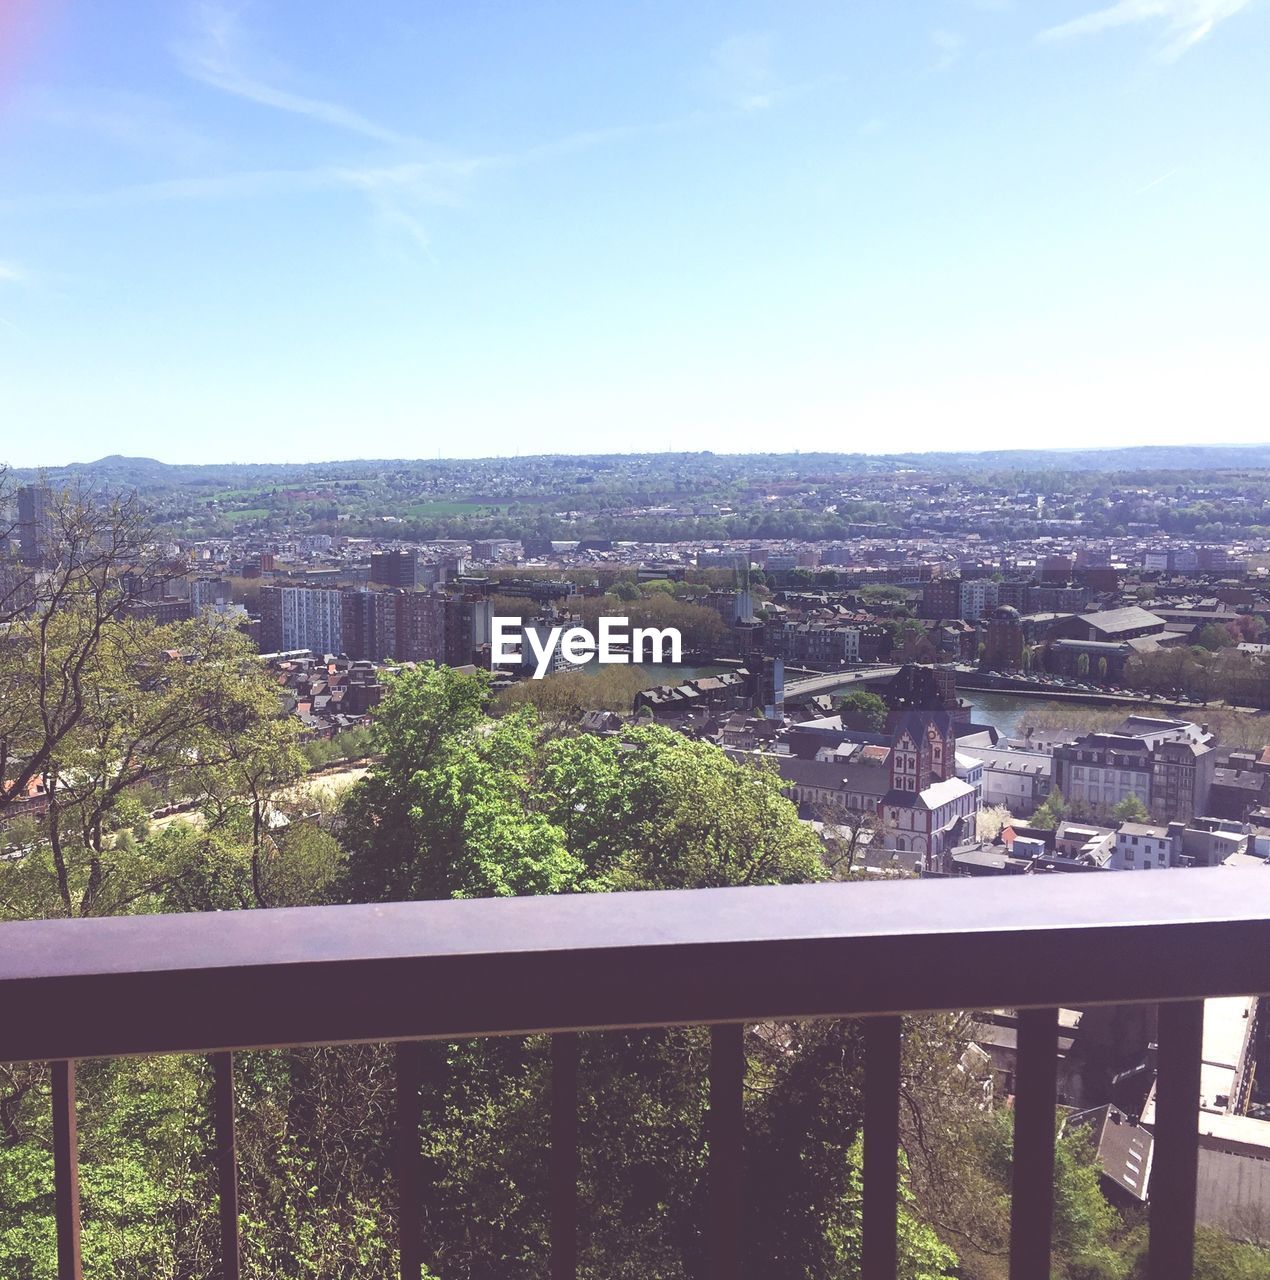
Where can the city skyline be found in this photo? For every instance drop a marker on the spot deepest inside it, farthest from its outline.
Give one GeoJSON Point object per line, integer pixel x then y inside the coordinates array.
{"type": "Point", "coordinates": [970, 225]}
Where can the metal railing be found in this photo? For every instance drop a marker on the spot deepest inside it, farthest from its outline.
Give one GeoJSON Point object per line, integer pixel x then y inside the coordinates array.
{"type": "Point", "coordinates": [406, 972]}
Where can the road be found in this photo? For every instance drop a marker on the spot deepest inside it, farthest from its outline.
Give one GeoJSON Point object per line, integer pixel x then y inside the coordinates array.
{"type": "Point", "coordinates": [809, 686]}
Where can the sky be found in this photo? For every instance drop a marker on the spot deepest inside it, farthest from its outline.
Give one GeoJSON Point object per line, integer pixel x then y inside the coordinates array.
{"type": "Point", "coordinates": [296, 230]}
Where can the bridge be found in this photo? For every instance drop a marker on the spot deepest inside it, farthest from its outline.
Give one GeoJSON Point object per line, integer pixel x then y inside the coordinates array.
{"type": "Point", "coordinates": [831, 681]}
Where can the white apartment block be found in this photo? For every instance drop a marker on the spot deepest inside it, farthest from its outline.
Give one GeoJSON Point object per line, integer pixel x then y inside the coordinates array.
{"type": "Point", "coordinates": [978, 595]}
{"type": "Point", "coordinates": [312, 618]}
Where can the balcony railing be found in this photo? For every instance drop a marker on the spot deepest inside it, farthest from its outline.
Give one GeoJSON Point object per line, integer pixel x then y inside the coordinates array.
{"type": "Point", "coordinates": [406, 972]}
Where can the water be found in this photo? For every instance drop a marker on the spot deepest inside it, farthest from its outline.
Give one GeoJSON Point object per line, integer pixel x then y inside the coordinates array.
{"type": "Point", "coordinates": [1006, 713]}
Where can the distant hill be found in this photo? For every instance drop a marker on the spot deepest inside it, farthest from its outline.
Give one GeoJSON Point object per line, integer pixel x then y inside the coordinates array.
{"type": "Point", "coordinates": [117, 462]}
{"type": "Point", "coordinates": [149, 473]}
{"type": "Point", "coordinates": [1136, 458]}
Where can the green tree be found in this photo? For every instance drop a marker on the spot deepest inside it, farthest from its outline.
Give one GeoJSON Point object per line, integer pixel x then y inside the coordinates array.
{"type": "Point", "coordinates": [173, 706]}
{"type": "Point", "coordinates": [863, 710]}
{"type": "Point", "coordinates": [1214, 637]}
{"type": "Point", "coordinates": [1050, 814]}
{"type": "Point", "coordinates": [1130, 809]}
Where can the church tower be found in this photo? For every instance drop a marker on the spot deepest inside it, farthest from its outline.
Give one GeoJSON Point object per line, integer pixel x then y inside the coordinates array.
{"type": "Point", "coordinates": [923, 751]}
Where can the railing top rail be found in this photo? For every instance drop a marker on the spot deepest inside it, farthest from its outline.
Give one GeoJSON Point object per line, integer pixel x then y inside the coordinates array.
{"type": "Point", "coordinates": [137, 984]}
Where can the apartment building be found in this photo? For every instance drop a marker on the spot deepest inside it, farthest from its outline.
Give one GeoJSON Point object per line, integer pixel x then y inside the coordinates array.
{"type": "Point", "coordinates": [1168, 764]}
{"type": "Point", "coordinates": [301, 618]}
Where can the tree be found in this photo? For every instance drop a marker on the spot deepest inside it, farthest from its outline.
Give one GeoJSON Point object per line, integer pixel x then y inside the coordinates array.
{"type": "Point", "coordinates": [466, 808]}
{"type": "Point", "coordinates": [863, 710]}
{"type": "Point", "coordinates": [992, 821]}
{"type": "Point", "coordinates": [1130, 809]}
{"type": "Point", "coordinates": [1213, 637]}
{"type": "Point", "coordinates": [845, 833]}
{"type": "Point", "coordinates": [1050, 814]}
{"type": "Point", "coordinates": [561, 699]}
{"type": "Point", "coordinates": [168, 706]}
{"type": "Point", "coordinates": [98, 558]}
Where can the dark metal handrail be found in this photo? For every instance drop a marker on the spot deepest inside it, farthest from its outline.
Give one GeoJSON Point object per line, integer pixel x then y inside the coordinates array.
{"type": "Point", "coordinates": [409, 971]}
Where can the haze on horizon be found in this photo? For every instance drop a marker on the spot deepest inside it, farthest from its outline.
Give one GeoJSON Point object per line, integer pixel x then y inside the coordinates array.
{"type": "Point", "coordinates": [263, 231]}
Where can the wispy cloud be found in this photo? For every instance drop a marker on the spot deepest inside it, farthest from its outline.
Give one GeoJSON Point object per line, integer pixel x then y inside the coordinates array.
{"type": "Point", "coordinates": [217, 55]}
{"type": "Point", "coordinates": [1186, 22]}
{"type": "Point", "coordinates": [10, 273]}
{"type": "Point", "coordinates": [740, 71]}
{"type": "Point", "coordinates": [135, 122]}
{"type": "Point", "coordinates": [1155, 182]}
{"type": "Point", "coordinates": [948, 47]}
{"type": "Point", "coordinates": [405, 176]}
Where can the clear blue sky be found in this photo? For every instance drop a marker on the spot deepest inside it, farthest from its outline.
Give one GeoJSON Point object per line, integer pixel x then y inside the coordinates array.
{"type": "Point", "coordinates": [306, 229]}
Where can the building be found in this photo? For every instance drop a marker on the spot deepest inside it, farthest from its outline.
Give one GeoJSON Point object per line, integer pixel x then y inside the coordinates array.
{"type": "Point", "coordinates": [1233, 1174]}
{"type": "Point", "coordinates": [395, 569]}
{"type": "Point", "coordinates": [37, 543]}
{"type": "Point", "coordinates": [941, 598]}
{"type": "Point", "coordinates": [301, 618]}
{"type": "Point", "coordinates": [1138, 847]}
{"type": "Point", "coordinates": [977, 597]}
{"type": "Point", "coordinates": [209, 593]}
{"type": "Point", "coordinates": [927, 809]}
{"type": "Point", "coordinates": [1113, 625]}
{"type": "Point", "coordinates": [855, 785]}
{"type": "Point", "coordinates": [1019, 780]}
{"type": "Point", "coordinates": [430, 627]}
{"type": "Point", "coordinates": [370, 625]}
{"type": "Point", "coordinates": [1003, 639]}
{"type": "Point", "coordinates": [1207, 842]}
{"type": "Point", "coordinates": [1168, 764]}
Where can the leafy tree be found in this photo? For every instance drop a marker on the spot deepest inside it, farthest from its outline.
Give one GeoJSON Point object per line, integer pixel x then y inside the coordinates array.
{"type": "Point", "coordinates": [1050, 814]}
{"type": "Point", "coordinates": [561, 699]}
{"type": "Point", "coordinates": [1130, 809]}
{"type": "Point", "coordinates": [992, 821]}
{"type": "Point", "coordinates": [863, 710]}
{"type": "Point", "coordinates": [175, 706]}
{"type": "Point", "coordinates": [57, 619]}
{"type": "Point", "coordinates": [1214, 637]}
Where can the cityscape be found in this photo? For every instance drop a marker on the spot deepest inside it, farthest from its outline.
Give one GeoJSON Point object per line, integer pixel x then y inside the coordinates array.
{"type": "Point", "coordinates": [972, 676]}
{"type": "Point", "coordinates": [634, 640]}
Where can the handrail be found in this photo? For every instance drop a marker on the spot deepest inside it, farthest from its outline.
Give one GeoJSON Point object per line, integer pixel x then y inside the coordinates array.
{"type": "Point", "coordinates": [324, 975]}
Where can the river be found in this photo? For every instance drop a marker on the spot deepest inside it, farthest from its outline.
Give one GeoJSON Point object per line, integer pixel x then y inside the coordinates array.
{"type": "Point", "coordinates": [1005, 712]}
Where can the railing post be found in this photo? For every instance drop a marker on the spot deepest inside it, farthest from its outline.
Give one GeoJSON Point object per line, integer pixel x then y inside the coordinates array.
{"type": "Point", "coordinates": [1174, 1163]}
{"type": "Point", "coordinates": [226, 1163]}
{"type": "Point", "coordinates": [410, 1158]}
{"type": "Point", "coordinates": [726, 1133]}
{"type": "Point", "coordinates": [564, 1155]}
{"type": "Point", "coordinates": [1032, 1199]}
{"type": "Point", "coordinates": [879, 1249]}
{"type": "Point", "coordinates": [66, 1171]}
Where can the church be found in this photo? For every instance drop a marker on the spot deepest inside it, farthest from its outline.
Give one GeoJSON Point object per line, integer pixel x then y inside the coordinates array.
{"type": "Point", "coordinates": [928, 809]}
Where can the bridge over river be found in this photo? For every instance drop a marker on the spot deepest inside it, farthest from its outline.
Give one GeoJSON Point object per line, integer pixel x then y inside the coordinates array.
{"type": "Point", "coordinates": [808, 686]}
